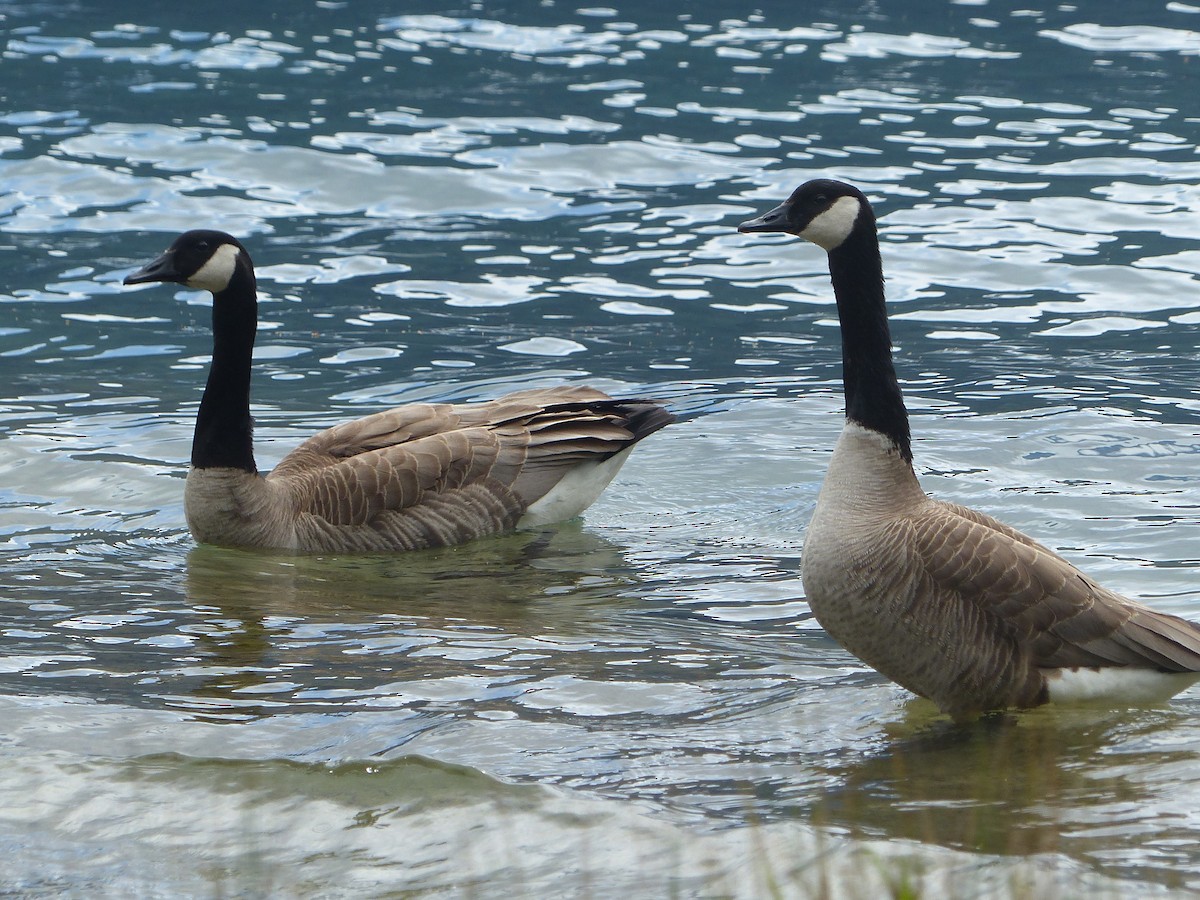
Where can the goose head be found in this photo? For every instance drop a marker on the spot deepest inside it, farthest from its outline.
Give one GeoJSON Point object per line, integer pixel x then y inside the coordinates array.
{"type": "Point", "coordinates": [200, 259]}
{"type": "Point", "coordinates": [823, 211]}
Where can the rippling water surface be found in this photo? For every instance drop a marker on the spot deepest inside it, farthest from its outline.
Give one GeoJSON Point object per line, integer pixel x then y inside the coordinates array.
{"type": "Point", "coordinates": [451, 202]}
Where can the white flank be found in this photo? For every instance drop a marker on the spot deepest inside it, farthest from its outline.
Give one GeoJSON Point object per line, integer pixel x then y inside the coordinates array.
{"type": "Point", "coordinates": [1119, 685]}
{"type": "Point", "coordinates": [575, 492]}
{"type": "Point", "coordinates": [215, 274]}
{"type": "Point", "coordinates": [833, 226]}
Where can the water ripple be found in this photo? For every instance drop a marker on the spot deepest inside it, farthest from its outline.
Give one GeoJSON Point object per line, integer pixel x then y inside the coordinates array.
{"type": "Point", "coordinates": [450, 207]}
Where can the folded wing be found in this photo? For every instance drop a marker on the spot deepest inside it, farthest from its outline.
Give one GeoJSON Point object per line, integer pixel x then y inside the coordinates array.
{"type": "Point", "coordinates": [440, 474]}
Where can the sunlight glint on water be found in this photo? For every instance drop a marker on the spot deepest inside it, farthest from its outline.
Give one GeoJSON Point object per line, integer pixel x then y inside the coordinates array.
{"type": "Point", "coordinates": [451, 204]}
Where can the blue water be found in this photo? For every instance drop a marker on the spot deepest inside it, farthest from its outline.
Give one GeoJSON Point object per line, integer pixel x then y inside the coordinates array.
{"type": "Point", "coordinates": [450, 203]}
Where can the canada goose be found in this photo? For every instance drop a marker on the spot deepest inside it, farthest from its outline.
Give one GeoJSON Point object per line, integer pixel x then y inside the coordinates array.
{"type": "Point", "coordinates": [948, 602]}
{"type": "Point", "coordinates": [425, 475]}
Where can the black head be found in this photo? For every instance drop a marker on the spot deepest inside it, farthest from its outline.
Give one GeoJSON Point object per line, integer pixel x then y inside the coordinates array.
{"type": "Point", "coordinates": [199, 259]}
{"type": "Point", "coordinates": [822, 211]}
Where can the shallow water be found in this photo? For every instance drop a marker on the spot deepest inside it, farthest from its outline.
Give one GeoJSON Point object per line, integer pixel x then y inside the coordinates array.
{"type": "Point", "coordinates": [451, 203]}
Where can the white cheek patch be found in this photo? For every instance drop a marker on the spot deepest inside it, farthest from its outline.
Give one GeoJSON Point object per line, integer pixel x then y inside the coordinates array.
{"type": "Point", "coordinates": [215, 274]}
{"type": "Point", "coordinates": [833, 226]}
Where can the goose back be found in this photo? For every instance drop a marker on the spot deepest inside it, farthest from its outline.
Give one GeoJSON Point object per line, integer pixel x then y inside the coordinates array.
{"type": "Point", "coordinates": [425, 475]}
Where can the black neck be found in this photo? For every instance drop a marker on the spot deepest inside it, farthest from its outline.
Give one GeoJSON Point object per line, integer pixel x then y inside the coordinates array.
{"type": "Point", "coordinates": [224, 430]}
{"type": "Point", "coordinates": [873, 397]}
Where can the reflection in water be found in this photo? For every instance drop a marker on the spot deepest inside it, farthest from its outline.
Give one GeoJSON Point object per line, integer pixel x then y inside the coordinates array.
{"type": "Point", "coordinates": [488, 576]}
{"type": "Point", "coordinates": [283, 630]}
{"type": "Point", "coordinates": [551, 197]}
{"type": "Point", "coordinates": [1052, 781]}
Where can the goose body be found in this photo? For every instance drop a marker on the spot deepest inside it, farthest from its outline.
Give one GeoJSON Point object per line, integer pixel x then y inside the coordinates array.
{"type": "Point", "coordinates": [944, 600]}
{"type": "Point", "coordinates": [423, 475]}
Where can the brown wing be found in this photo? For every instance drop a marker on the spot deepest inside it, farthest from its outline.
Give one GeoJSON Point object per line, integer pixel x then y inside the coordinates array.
{"type": "Point", "coordinates": [1029, 595]}
{"type": "Point", "coordinates": [402, 424]}
{"type": "Point", "coordinates": [440, 474]}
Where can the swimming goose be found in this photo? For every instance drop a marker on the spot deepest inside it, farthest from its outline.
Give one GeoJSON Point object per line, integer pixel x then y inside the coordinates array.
{"type": "Point", "coordinates": [946, 601]}
{"type": "Point", "coordinates": [424, 475]}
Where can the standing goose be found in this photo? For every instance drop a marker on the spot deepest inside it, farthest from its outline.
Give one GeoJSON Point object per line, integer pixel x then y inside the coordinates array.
{"type": "Point", "coordinates": [948, 602]}
{"type": "Point", "coordinates": [424, 475]}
